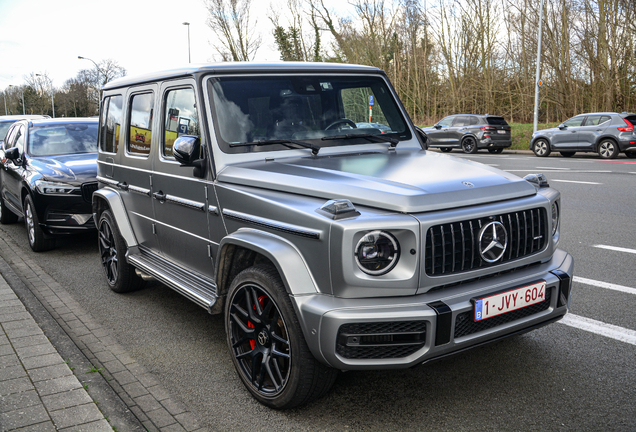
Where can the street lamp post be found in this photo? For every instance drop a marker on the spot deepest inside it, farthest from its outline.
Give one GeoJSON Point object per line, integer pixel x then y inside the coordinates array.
{"type": "Point", "coordinates": [537, 82]}
{"type": "Point", "coordinates": [4, 96]}
{"type": "Point", "coordinates": [52, 102]}
{"type": "Point", "coordinates": [22, 91]}
{"type": "Point", "coordinates": [188, 24]}
{"type": "Point", "coordinates": [98, 81]}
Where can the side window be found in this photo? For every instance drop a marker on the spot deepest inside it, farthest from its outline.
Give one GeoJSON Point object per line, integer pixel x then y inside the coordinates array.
{"type": "Point", "coordinates": [461, 121]}
{"type": "Point", "coordinates": [181, 118]}
{"type": "Point", "coordinates": [473, 121]}
{"type": "Point", "coordinates": [10, 138]}
{"type": "Point", "coordinates": [446, 122]}
{"type": "Point", "coordinates": [112, 117]}
{"type": "Point", "coordinates": [140, 123]}
{"type": "Point", "coordinates": [575, 121]}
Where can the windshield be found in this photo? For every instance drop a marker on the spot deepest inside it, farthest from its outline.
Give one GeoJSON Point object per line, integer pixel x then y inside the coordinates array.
{"type": "Point", "coordinates": [302, 108]}
{"type": "Point", "coordinates": [60, 139]}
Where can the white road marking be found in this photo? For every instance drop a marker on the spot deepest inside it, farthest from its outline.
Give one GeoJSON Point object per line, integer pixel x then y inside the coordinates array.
{"type": "Point", "coordinates": [605, 285]}
{"type": "Point", "coordinates": [561, 171]}
{"type": "Point", "coordinates": [556, 168]}
{"type": "Point", "coordinates": [573, 181]}
{"type": "Point", "coordinates": [615, 248]}
{"type": "Point", "coordinates": [600, 328]}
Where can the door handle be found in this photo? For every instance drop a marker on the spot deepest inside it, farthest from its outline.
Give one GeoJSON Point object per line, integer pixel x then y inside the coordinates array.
{"type": "Point", "coordinates": [159, 196]}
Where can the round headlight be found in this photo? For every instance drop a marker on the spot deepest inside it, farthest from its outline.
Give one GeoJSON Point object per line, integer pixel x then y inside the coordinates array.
{"type": "Point", "coordinates": [377, 253]}
{"type": "Point", "coordinates": [555, 217]}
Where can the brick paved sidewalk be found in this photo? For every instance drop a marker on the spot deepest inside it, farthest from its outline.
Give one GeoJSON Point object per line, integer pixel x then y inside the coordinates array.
{"type": "Point", "coordinates": [38, 390]}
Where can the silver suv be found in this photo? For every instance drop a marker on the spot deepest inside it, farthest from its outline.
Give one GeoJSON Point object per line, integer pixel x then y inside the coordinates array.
{"type": "Point", "coordinates": [606, 133]}
{"type": "Point", "coordinates": [251, 190]}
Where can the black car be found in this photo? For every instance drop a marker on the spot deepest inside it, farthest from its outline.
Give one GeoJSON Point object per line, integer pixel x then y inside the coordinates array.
{"type": "Point", "coordinates": [7, 120]}
{"type": "Point", "coordinates": [48, 175]}
{"type": "Point", "coordinates": [470, 132]}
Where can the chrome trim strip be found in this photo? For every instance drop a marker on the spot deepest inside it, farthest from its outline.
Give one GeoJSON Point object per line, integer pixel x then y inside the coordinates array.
{"type": "Point", "coordinates": [185, 202]}
{"type": "Point", "coordinates": [269, 223]}
{"type": "Point", "coordinates": [139, 190]}
{"type": "Point", "coordinates": [213, 210]}
{"type": "Point", "coordinates": [107, 181]}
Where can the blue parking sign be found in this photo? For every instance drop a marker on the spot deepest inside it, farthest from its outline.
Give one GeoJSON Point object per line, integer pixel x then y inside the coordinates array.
{"type": "Point", "coordinates": [371, 101]}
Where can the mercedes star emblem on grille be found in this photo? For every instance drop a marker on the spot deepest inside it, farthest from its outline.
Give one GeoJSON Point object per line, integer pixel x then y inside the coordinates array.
{"type": "Point", "coordinates": [493, 239]}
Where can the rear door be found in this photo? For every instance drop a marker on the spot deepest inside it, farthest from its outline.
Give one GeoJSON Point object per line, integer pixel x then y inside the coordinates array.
{"type": "Point", "coordinates": [594, 126]}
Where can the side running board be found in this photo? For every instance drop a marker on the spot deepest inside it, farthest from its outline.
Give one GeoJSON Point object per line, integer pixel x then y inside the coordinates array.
{"type": "Point", "coordinates": [197, 288]}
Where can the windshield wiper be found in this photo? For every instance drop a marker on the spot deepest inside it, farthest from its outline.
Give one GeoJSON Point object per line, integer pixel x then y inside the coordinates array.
{"type": "Point", "coordinates": [371, 137]}
{"type": "Point", "coordinates": [286, 142]}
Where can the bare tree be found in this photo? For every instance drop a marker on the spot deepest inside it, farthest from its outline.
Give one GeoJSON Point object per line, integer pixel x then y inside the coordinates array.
{"type": "Point", "coordinates": [230, 21]}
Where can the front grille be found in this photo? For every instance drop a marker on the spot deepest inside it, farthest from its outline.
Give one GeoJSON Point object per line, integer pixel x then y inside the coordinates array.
{"type": "Point", "coordinates": [465, 325]}
{"type": "Point", "coordinates": [380, 340]}
{"type": "Point", "coordinates": [88, 189]}
{"type": "Point", "coordinates": [454, 247]}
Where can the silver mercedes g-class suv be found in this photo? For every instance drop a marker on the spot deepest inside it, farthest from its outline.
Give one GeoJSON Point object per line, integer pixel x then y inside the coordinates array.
{"type": "Point", "coordinates": [250, 189]}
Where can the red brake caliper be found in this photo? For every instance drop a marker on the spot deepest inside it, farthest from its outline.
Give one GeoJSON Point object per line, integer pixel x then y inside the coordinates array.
{"type": "Point", "coordinates": [261, 301]}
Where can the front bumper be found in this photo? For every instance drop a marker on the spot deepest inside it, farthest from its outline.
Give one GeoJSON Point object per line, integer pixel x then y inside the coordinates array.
{"type": "Point", "coordinates": [401, 332]}
{"type": "Point", "coordinates": [62, 215]}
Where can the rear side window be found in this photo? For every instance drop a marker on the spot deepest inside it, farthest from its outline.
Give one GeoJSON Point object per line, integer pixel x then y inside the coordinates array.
{"type": "Point", "coordinates": [496, 121]}
{"type": "Point", "coordinates": [594, 120]}
{"type": "Point", "coordinates": [631, 119]}
{"type": "Point", "coordinates": [140, 123]}
{"type": "Point", "coordinates": [112, 117]}
{"type": "Point", "coordinates": [180, 117]}
{"type": "Point", "coordinates": [461, 121]}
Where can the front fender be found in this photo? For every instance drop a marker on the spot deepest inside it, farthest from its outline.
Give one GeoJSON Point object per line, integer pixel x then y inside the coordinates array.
{"type": "Point", "coordinates": [107, 198]}
{"type": "Point", "coordinates": [287, 259]}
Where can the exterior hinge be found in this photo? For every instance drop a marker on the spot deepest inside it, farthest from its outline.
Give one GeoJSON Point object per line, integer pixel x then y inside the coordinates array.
{"type": "Point", "coordinates": [154, 228]}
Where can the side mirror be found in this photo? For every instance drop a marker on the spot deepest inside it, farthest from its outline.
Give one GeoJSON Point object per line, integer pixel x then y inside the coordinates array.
{"type": "Point", "coordinates": [562, 126]}
{"type": "Point", "coordinates": [421, 135]}
{"type": "Point", "coordinates": [186, 151]}
{"type": "Point", "coordinates": [12, 154]}
{"type": "Point", "coordinates": [437, 126]}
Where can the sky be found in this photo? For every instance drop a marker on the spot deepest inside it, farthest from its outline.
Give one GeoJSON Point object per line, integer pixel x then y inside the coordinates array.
{"type": "Point", "coordinates": [47, 36]}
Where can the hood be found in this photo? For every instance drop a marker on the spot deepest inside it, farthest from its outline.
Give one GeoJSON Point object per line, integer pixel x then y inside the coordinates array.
{"type": "Point", "coordinates": [75, 168]}
{"type": "Point", "coordinates": [407, 181]}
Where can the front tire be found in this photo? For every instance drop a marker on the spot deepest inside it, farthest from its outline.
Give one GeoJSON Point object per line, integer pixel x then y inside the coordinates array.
{"type": "Point", "coordinates": [120, 275]}
{"type": "Point", "coordinates": [631, 154]}
{"type": "Point", "coordinates": [498, 150]}
{"type": "Point", "coordinates": [267, 344]}
{"type": "Point", "coordinates": [469, 145]}
{"type": "Point", "coordinates": [567, 154]}
{"type": "Point", "coordinates": [607, 149]}
{"type": "Point", "coordinates": [541, 148]}
{"type": "Point", "coordinates": [37, 240]}
{"type": "Point", "coordinates": [446, 149]}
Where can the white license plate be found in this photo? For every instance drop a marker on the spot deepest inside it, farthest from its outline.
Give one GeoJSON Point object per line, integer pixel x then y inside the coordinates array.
{"type": "Point", "coordinates": [497, 304]}
{"type": "Point", "coordinates": [501, 131]}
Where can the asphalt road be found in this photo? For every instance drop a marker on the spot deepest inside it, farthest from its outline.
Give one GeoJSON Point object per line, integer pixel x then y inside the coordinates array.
{"type": "Point", "coordinates": [560, 377]}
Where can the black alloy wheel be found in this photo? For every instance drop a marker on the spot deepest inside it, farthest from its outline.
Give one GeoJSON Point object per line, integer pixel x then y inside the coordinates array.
{"type": "Point", "coordinates": [567, 154]}
{"type": "Point", "coordinates": [267, 345]}
{"type": "Point", "coordinates": [541, 148]}
{"type": "Point", "coordinates": [469, 145]}
{"type": "Point", "coordinates": [120, 275]}
{"type": "Point", "coordinates": [496, 150]}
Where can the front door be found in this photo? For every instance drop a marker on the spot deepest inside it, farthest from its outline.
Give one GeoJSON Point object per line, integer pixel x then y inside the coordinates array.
{"type": "Point", "coordinates": [567, 137]}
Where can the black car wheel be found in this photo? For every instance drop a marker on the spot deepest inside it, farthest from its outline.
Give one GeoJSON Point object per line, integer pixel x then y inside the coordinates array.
{"type": "Point", "coordinates": [498, 150]}
{"type": "Point", "coordinates": [607, 149]}
{"type": "Point", "coordinates": [6, 215]}
{"type": "Point", "coordinates": [567, 154]}
{"type": "Point", "coordinates": [267, 345]}
{"type": "Point", "coordinates": [541, 148]}
{"type": "Point", "coordinates": [469, 145]}
{"type": "Point", "coordinates": [446, 149]}
{"type": "Point", "coordinates": [120, 275]}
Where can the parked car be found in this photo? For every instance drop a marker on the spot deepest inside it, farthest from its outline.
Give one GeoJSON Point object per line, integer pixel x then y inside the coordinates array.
{"type": "Point", "coordinates": [48, 174]}
{"type": "Point", "coordinates": [470, 132]}
{"type": "Point", "coordinates": [326, 246]}
{"type": "Point", "coordinates": [605, 133]}
{"type": "Point", "coordinates": [7, 120]}
{"type": "Point", "coordinates": [381, 127]}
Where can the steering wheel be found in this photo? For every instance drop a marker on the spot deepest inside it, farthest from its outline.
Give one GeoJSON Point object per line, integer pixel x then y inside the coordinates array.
{"type": "Point", "coordinates": [342, 121]}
